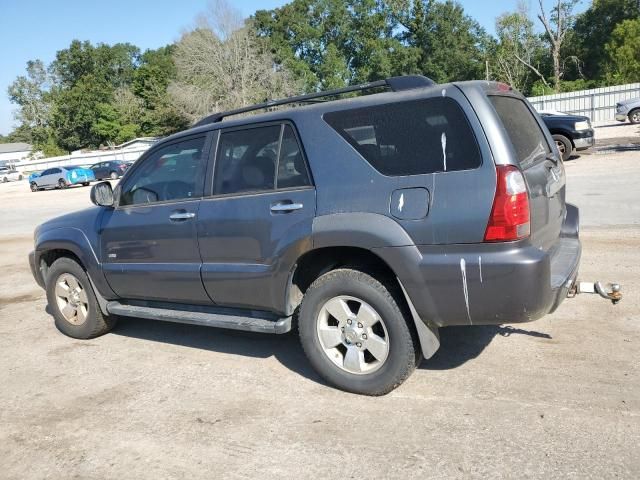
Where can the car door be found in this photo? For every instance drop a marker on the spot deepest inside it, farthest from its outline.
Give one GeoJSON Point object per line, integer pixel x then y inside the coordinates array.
{"type": "Point", "coordinates": [49, 178]}
{"type": "Point", "coordinates": [148, 241]}
{"type": "Point", "coordinates": [255, 224]}
{"type": "Point", "coordinates": [98, 170]}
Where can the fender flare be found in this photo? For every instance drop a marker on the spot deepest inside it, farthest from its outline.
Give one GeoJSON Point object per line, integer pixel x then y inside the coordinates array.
{"type": "Point", "coordinates": [74, 240]}
{"type": "Point", "coordinates": [373, 231]}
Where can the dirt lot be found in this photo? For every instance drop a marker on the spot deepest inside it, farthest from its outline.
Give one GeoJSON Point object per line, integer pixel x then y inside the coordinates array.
{"type": "Point", "coordinates": [556, 398]}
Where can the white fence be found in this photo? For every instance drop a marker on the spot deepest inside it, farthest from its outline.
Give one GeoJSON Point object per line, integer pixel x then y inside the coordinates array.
{"type": "Point", "coordinates": [81, 160]}
{"type": "Point", "coordinates": [599, 104]}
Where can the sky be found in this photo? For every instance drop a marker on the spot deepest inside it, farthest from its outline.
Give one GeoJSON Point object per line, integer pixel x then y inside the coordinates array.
{"type": "Point", "coordinates": [37, 29]}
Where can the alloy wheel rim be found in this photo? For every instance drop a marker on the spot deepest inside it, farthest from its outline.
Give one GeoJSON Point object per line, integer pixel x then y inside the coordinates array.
{"type": "Point", "coordinates": [352, 335]}
{"type": "Point", "coordinates": [560, 146]}
{"type": "Point", "coordinates": [636, 117]}
{"type": "Point", "coordinates": [71, 299]}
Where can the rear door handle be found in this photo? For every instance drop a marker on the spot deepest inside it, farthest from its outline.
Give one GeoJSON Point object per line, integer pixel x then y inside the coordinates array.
{"type": "Point", "coordinates": [286, 207]}
{"type": "Point", "coordinates": [181, 215]}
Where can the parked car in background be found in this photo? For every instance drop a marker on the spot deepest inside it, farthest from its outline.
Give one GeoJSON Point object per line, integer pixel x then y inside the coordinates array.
{"type": "Point", "coordinates": [570, 132]}
{"type": "Point", "coordinates": [112, 169]}
{"type": "Point", "coordinates": [8, 174]}
{"type": "Point", "coordinates": [61, 177]}
{"type": "Point", "coordinates": [628, 109]}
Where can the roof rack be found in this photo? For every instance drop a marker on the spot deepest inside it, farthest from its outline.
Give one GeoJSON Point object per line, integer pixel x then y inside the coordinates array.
{"type": "Point", "coordinates": [395, 84]}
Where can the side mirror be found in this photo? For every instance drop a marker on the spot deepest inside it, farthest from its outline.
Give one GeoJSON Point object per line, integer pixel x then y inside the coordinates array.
{"type": "Point", "coordinates": [102, 194]}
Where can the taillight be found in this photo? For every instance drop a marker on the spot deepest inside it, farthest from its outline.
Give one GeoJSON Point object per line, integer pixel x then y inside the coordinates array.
{"type": "Point", "coordinates": [509, 218]}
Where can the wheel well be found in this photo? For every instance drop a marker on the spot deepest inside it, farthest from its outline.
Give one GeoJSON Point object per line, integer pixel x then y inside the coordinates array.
{"type": "Point", "coordinates": [315, 263]}
{"type": "Point", "coordinates": [50, 256]}
{"type": "Point", "coordinates": [564, 134]}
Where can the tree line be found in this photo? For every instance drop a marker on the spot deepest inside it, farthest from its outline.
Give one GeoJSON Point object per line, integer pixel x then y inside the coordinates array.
{"type": "Point", "coordinates": [93, 95]}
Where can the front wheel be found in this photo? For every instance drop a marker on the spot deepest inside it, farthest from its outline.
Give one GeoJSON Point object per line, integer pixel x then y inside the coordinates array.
{"type": "Point", "coordinates": [355, 334]}
{"type": "Point", "coordinates": [62, 184]}
{"type": "Point", "coordinates": [5, 180]}
{"type": "Point", "coordinates": [634, 116]}
{"type": "Point", "coordinates": [34, 186]}
{"type": "Point", "coordinates": [113, 175]}
{"type": "Point", "coordinates": [564, 146]}
{"type": "Point", "coordinates": [73, 303]}
{"type": "Point", "coordinates": [86, 184]}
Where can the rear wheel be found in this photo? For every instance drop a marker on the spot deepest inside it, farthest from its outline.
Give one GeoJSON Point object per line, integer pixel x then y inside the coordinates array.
{"type": "Point", "coordinates": [564, 146]}
{"type": "Point", "coordinates": [113, 175]}
{"type": "Point", "coordinates": [73, 303]}
{"type": "Point", "coordinates": [20, 177]}
{"type": "Point", "coordinates": [5, 180]}
{"type": "Point", "coordinates": [634, 116]}
{"type": "Point", "coordinates": [62, 184]}
{"type": "Point", "coordinates": [355, 334]}
{"type": "Point", "coordinates": [86, 184]}
{"type": "Point", "coordinates": [34, 186]}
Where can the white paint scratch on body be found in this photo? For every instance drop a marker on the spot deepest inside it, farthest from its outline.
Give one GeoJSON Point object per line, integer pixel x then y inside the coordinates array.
{"type": "Point", "coordinates": [443, 140]}
{"type": "Point", "coordinates": [401, 202]}
{"type": "Point", "coordinates": [463, 270]}
{"type": "Point", "coordinates": [480, 267]}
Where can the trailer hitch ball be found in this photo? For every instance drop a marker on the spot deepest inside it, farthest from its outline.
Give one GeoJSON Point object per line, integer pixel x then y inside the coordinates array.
{"type": "Point", "coordinates": [610, 292]}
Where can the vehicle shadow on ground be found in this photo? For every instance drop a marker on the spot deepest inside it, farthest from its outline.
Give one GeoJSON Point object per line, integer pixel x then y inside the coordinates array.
{"type": "Point", "coordinates": [286, 348]}
{"type": "Point", "coordinates": [458, 345]}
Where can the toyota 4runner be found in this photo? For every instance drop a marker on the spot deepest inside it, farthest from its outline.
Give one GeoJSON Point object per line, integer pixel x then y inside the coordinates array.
{"type": "Point", "coordinates": [369, 221]}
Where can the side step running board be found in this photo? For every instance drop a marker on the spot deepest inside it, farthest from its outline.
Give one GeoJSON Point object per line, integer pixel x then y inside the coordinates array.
{"type": "Point", "coordinates": [233, 321]}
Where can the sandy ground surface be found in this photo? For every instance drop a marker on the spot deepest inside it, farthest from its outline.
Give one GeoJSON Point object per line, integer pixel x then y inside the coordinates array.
{"type": "Point", "coordinates": [557, 398]}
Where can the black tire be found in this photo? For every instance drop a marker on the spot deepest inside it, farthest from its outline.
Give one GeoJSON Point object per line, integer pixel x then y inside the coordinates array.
{"type": "Point", "coordinates": [62, 184]}
{"type": "Point", "coordinates": [19, 177]}
{"type": "Point", "coordinates": [85, 184]}
{"type": "Point", "coordinates": [113, 175]}
{"type": "Point", "coordinates": [403, 351]}
{"type": "Point", "coordinates": [34, 186]}
{"type": "Point", "coordinates": [565, 147]}
{"type": "Point", "coordinates": [5, 180]}
{"type": "Point", "coordinates": [634, 116]}
{"type": "Point", "coordinates": [96, 323]}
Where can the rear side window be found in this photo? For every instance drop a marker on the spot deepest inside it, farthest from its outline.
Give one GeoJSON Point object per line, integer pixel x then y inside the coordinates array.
{"type": "Point", "coordinates": [410, 138]}
{"type": "Point", "coordinates": [247, 161]}
{"type": "Point", "coordinates": [526, 135]}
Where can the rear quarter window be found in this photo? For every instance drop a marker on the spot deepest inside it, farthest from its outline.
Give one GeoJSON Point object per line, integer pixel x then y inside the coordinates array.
{"type": "Point", "coordinates": [522, 128]}
{"type": "Point", "coordinates": [410, 138]}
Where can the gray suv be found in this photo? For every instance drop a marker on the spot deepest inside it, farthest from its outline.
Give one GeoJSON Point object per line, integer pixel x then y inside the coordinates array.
{"type": "Point", "coordinates": [628, 109]}
{"type": "Point", "coordinates": [368, 222]}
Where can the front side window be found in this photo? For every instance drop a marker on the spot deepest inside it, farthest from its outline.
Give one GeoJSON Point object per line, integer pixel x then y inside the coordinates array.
{"type": "Point", "coordinates": [410, 138]}
{"type": "Point", "coordinates": [247, 160]}
{"type": "Point", "coordinates": [172, 173]}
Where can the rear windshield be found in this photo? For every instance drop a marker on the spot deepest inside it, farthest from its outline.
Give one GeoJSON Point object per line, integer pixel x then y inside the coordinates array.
{"type": "Point", "coordinates": [410, 138]}
{"type": "Point", "coordinates": [526, 135]}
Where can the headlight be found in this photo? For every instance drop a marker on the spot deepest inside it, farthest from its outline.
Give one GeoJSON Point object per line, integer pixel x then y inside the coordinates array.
{"type": "Point", "coordinates": [582, 125]}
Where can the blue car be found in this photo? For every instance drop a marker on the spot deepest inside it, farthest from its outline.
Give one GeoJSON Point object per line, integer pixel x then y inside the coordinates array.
{"type": "Point", "coordinates": [61, 177]}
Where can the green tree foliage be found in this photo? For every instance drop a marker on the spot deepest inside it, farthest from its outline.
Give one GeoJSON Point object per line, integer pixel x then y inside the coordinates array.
{"type": "Point", "coordinates": [593, 30]}
{"type": "Point", "coordinates": [624, 51]}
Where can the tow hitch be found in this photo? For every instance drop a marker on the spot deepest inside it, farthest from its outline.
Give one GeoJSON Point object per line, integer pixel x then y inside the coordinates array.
{"type": "Point", "coordinates": [611, 291]}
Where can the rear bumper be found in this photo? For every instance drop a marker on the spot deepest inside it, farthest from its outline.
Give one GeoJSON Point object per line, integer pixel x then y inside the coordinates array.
{"type": "Point", "coordinates": [491, 284]}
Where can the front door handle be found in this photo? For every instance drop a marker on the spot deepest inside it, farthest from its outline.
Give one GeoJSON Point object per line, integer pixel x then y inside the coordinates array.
{"type": "Point", "coordinates": [181, 215]}
{"type": "Point", "coordinates": [283, 207]}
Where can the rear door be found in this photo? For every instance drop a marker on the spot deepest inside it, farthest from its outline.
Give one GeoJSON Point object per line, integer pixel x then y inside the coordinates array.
{"type": "Point", "coordinates": [542, 168]}
{"type": "Point", "coordinates": [255, 224]}
{"type": "Point", "coordinates": [148, 242]}
{"type": "Point", "coordinates": [50, 177]}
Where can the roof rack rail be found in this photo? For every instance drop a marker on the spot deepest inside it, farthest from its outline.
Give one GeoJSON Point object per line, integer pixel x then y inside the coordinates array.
{"type": "Point", "coordinates": [395, 84]}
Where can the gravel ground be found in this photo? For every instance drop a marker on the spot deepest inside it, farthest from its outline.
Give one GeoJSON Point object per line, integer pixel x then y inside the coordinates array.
{"type": "Point", "coordinates": [557, 398]}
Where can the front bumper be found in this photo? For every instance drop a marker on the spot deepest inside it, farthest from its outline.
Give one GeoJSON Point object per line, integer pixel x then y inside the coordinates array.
{"type": "Point", "coordinates": [35, 269]}
{"type": "Point", "coordinates": [492, 284]}
{"type": "Point", "coordinates": [583, 139]}
{"type": "Point", "coordinates": [621, 117]}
